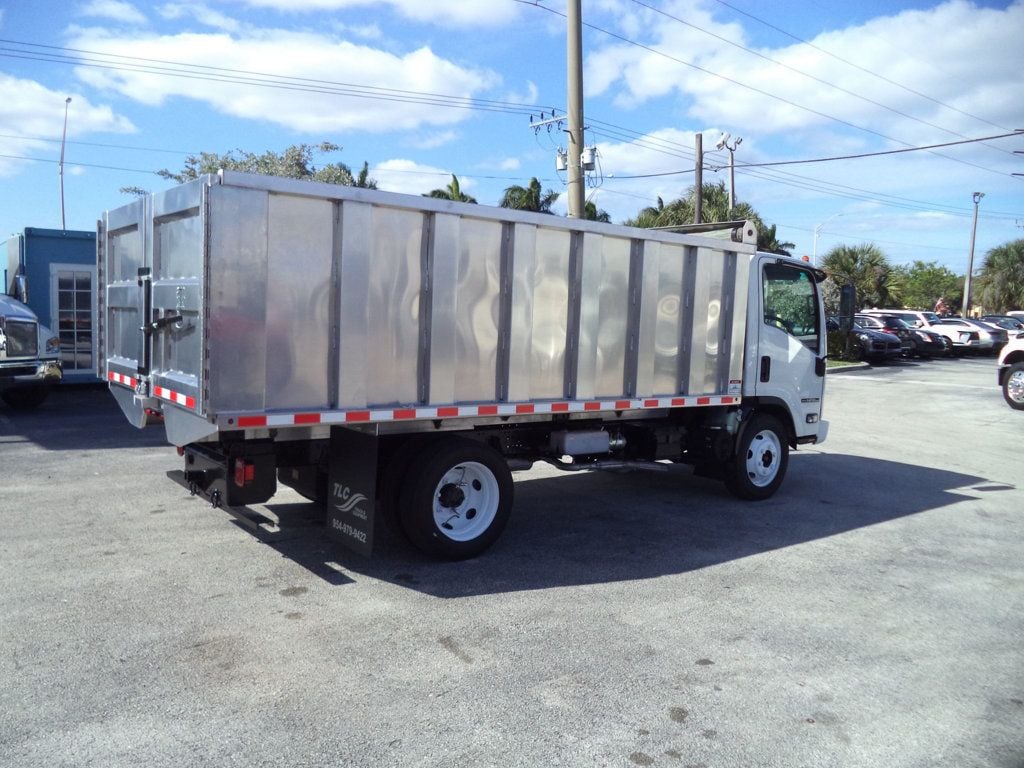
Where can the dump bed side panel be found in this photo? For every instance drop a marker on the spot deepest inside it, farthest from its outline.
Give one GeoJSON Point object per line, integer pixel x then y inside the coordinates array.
{"type": "Point", "coordinates": [283, 297]}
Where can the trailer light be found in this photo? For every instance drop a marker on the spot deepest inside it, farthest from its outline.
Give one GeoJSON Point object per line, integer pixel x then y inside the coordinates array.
{"type": "Point", "coordinates": [245, 472]}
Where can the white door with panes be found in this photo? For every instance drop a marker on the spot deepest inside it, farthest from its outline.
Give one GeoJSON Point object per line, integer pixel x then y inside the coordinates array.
{"type": "Point", "coordinates": [73, 317]}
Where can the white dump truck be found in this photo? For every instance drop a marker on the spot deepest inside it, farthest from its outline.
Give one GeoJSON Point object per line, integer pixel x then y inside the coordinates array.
{"type": "Point", "coordinates": [396, 356]}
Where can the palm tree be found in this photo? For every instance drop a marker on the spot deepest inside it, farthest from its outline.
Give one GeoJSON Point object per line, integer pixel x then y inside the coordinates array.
{"type": "Point", "coordinates": [452, 192]}
{"type": "Point", "coordinates": [714, 207]}
{"type": "Point", "coordinates": [592, 213]}
{"type": "Point", "coordinates": [529, 198]}
{"type": "Point", "coordinates": [1000, 286]}
{"type": "Point", "coordinates": [867, 267]}
{"type": "Point", "coordinates": [769, 242]}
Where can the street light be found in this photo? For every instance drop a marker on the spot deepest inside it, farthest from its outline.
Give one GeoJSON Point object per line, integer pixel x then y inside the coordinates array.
{"type": "Point", "coordinates": [817, 231]}
{"type": "Point", "coordinates": [60, 168]}
{"type": "Point", "coordinates": [723, 143]}
{"type": "Point", "coordinates": [966, 311]}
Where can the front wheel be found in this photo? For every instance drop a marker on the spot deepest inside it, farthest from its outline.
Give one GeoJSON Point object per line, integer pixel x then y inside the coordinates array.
{"type": "Point", "coordinates": [1013, 386]}
{"type": "Point", "coordinates": [457, 499]}
{"type": "Point", "coordinates": [762, 456]}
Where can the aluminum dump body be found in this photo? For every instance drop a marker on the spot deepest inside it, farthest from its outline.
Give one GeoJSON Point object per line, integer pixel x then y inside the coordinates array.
{"type": "Point", "coordinates": [252, 301]}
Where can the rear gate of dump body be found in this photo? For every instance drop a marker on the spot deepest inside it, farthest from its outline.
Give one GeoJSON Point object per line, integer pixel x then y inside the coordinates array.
{"type": "Point", "coordinates": [151, 262]}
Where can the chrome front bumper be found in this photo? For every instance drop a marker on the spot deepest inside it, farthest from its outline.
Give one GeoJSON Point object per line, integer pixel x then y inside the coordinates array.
{"type": "Point", "coordinates": [17, 373]}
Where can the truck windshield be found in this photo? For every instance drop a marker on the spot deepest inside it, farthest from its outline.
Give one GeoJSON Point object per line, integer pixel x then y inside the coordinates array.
{"type": "Point", "coordinates": [791, 303]}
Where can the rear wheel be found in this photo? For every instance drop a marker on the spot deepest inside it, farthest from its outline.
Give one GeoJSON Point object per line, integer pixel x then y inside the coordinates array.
{"type": "Point", "coordinates": [762, 456]}
{"type": "Point", "coordinates": [1013, 386]}
{"type": "Point", "coordinates": [456, 499]}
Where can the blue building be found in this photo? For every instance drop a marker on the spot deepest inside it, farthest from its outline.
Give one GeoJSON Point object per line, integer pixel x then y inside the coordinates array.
{"type": "Point", "coordinates": [54, 272]}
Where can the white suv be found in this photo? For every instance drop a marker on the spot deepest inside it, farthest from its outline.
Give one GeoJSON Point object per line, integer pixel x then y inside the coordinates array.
{"type": "Point", "coordinates": [1011, 372]}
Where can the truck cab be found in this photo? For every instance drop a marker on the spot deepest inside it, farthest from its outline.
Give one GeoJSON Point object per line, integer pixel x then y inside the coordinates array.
{"type": "Point", "coordinates": [29, 356]}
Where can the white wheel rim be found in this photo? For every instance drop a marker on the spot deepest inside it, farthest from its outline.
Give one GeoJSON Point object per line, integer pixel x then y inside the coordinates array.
{"type": "Point", "coordinates": [763, 458]}
{"type": "Point", "coordinates": [1015, 387]}
{"type": "Point", "coordinates": [466, 501]}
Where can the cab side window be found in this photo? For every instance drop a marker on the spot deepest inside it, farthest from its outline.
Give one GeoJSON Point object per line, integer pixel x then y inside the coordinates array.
{"type": "Point", "coordinates": [790, 301]}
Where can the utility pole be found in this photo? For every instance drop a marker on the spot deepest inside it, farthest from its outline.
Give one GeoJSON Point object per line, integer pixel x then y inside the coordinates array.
{"type": "Point", "coordinates": [574, 72]}
{"type": "Point", "coordinates": [723, 143]}
{"type": "Point", "coordinates": [698, 177]}
{"type": "Point", "coordinates": [60, 167]}
{"type": "Point", "coordinates": [970, 259]}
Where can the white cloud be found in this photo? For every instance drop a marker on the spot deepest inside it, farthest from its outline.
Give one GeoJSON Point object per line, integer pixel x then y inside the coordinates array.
{"type": "Point", "coordinates": [116, 10]}
{"type": "Point", "coordinates": [35, 114]}
{"type": "Point", "coordinates": [201, 13]}
{"type": "Point", "coordinates": [313, 105]}
{"type": "Point", "coordinates": [510, 164]}
{"type": "Point", "coordinates": [412, 178]}
{"type": "Point", "coordinates": [461, 13]}
{"type": "Point", "coordinates": [962, 55]}
{"type": "Point", "coordinates": [434, 140]}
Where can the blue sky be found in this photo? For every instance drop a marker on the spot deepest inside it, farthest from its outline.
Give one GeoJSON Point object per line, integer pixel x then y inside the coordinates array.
{"type": "Point", "coordinates": [796, 80]}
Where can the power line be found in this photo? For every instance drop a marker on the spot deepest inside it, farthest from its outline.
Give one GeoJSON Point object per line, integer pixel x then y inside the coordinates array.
{"type": "Point", "coordinates": [741, 84]}
{"type": "Point", "coordinates": [96, 144]}
{"type": "Point", "coordinates": [862, 69]}
{"type": "Point", "coordinates": [801, 72]}
{"type": "Point", "coordinates": [860, 156]}
{"type": "Point", "coordinates": [122, 63]}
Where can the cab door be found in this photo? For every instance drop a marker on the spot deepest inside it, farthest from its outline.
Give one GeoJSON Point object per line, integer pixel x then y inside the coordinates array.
{"type": "Point", "coordinates": [791, 340]}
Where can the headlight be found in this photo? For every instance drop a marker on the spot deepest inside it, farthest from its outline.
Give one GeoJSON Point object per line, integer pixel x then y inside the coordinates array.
{"type": "Point", "coordinates": [863, 337]}
{"type": "Point", "coordinates": [53, 346]}
{"type": "Point", "coordinates": [922, 335]}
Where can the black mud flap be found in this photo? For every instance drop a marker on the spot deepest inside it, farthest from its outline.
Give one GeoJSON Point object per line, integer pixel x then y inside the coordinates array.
{"type": "Point", "coordinates": [352, 489]}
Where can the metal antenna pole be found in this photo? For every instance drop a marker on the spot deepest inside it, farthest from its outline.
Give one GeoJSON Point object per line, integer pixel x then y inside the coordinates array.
{"type": "Point", "coordinates": [574, 71]}
{"type": "Point", "coordinates": [60, 167]}
{"type": "Point", "coordinates": [966, 311]}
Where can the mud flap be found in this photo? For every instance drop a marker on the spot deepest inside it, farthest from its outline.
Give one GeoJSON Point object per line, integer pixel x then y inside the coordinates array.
{"type": "Point", "coordinates": [352, 488]}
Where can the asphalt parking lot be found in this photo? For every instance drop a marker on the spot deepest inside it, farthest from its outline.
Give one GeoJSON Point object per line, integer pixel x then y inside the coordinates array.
{"type": "Point", "coordinates": [870, 614]}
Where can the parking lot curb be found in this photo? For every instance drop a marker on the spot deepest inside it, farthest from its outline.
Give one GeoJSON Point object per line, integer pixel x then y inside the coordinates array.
{"type": "Point", "coordinates": [846, 368]}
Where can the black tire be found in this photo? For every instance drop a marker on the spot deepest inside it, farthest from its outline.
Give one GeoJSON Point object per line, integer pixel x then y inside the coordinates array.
{"type": "Point", "coordinates": [25, 398]}
{"type": "Point", "coordinates": [456, 498]}
{"type": "Point", "coordinates": [1013, 386]}
{"type": "Point", "coordinates": [762, 457]}
{"type": "Point", "coordinates": [394, 475]}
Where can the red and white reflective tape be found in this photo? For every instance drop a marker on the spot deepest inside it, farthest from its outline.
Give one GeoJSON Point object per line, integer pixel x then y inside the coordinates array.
{"type": "Point", "coordinates": [465, 411]}
{"type": "Point", "coordinates": [175, 397]}
{"type": "Point", "coordinates": [120, 378]}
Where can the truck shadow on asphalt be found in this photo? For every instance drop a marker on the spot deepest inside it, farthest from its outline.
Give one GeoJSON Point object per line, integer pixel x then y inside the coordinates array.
{"type": "Point", "coordinates": [596, 528]}
{"type": "Point", "coordinates": [76, 417]}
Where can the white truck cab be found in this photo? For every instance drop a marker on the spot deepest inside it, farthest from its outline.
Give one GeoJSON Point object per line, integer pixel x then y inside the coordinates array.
{"type": "Point", "coordinates": [29, 356]}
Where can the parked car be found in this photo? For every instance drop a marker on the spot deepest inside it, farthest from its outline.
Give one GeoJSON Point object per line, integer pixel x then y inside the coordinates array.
{"type": "Point", "coordinates": [990, 338]}
{"type": "Point", "coordinates": [917, 342]}
{"type": "Point", "coordinates": [1008, 323]}
{"type": "Point", "coordinates": [872, 346]}
{"type": "Point", "coordinates": [1011, 372]}
{"type": "Point", "coordinates": [962, 339]}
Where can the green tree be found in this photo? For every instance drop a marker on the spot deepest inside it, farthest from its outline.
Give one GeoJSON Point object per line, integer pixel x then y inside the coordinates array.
{"type": "Point", "coordinates": [867, 267]}
{"type": "Point", "coordinates": [1000, 285]}
{"type": "Point", "coordinates": [529, 198]}
{"type": "Point", "coordinates": [295, 162]}
{"type": "Point", "coordinates": [452, 192]}
{"type": "Point", "coordinates": [922, 284]}
{"type": "Point", "coordinates": [592, 213]}
{"type": "Point", "coordinates": [714, 207]}
{"type": "Point", "coordinates": [768, 241]}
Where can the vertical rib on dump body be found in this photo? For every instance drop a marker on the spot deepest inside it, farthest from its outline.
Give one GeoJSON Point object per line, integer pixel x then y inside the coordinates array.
{"type": "Point", "coordinates": [256, 301]}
